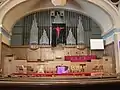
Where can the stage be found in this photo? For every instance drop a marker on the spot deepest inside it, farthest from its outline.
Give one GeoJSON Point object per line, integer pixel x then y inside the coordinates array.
{"type": "Point", "coordinates": [50, 83]}
{"type": "Point", "coordinates": [58, 80]}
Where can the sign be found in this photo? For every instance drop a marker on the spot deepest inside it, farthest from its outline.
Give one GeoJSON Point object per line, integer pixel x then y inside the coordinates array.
{"type": "Point", "coordinates": [80, 58]}
{"type": "Point", "coordinates": [97, 44]}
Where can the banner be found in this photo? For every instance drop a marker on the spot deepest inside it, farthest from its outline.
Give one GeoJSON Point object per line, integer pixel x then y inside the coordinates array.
{"type": "Point", "coordinates": [80, 58]}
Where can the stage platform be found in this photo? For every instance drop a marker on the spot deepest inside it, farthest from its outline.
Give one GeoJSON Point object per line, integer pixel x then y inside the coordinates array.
{"type": "Point", "coordinates": [78, 74]}
{"type": "Point", "coordinates": [58, 84]}
{"type": "Point", "coordinates": [58, 80]}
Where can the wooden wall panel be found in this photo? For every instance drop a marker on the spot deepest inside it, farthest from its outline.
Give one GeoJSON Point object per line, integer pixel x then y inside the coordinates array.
{"type": "Point", "coordinates": [98, 53]}
{"type": "Point", "coordinates": [6, 50]}
{"type": "Point", "coordinates": [59, 55]}
{"type": "Point", "coordinates": [9, 66]}
{"type": "Point", "coordinates": [33, 55]}
{"type": "Point", "coordinates": [20, 53]}
{"type": "Point", "coordinates": [110, 51]}
{"type": "Point", "coordinates": [46, 54]}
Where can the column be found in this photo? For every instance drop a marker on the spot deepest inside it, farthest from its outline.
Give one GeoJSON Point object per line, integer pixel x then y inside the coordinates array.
{"type": "Point", "coordinates": [117, 51]}
{"type": "Point", "coordinates": [0, 47]}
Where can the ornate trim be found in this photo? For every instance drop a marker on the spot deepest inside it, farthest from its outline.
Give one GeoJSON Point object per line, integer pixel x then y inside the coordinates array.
{"type": "Point", "coordinates": [2, 1]}
{"type": "Point", "coordinates": [115, 4]}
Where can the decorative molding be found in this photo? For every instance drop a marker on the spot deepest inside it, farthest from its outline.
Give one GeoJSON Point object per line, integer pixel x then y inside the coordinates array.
{"type": "Point", "coordinates": [115, 3]}
{"type": "Point", "coordinates": [8, 46]}
{"type": "Point", "coordinates": [112, 43]}
{"type": "Point", "coordinates": [4, 32]}
{"type": "Point", "coordinates": [34, 46]}
{"type": "Point", "coordinates": [111, 33]}
{"type": "Point", "coordinates": [2, 1]}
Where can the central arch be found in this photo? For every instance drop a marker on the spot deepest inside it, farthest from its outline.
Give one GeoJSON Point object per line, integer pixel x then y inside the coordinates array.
{"type": "Point", "coordinates": [23, 7]}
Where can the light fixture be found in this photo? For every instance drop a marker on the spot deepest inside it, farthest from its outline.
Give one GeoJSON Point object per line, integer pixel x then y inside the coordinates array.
{"type": "Point", "coordinates": [59, 2]}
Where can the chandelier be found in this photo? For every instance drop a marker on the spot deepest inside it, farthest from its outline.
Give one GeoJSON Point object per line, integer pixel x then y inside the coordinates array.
{"type": "Point", "coordinates": [59, 2]}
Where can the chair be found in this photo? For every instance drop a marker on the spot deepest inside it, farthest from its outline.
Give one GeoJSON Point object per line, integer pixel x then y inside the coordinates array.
{"type": "Point", "coordinates": [96, 68]}
{"type": "Point", "coordinates": [82, 67]}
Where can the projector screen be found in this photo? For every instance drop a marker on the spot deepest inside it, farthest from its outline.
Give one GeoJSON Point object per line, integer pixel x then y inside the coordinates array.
{"type": "Point", "coordinates": [96, 44]}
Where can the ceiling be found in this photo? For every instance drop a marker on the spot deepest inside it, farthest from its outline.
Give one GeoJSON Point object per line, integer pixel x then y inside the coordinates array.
{"type": "Point", "coordinates": [100, 11]}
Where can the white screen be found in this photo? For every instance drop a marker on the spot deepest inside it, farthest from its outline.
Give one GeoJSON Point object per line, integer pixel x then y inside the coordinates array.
{"type": "Point", "coordinates": [96, 44]}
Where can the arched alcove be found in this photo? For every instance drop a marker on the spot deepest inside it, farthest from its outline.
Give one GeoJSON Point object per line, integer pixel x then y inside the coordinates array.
{"type": "Point", "coordinates": [45, 18]}
{"type": "Point", "coordinates": [96, 17]}
{"type": "Point", "coordinates": [9, 9]}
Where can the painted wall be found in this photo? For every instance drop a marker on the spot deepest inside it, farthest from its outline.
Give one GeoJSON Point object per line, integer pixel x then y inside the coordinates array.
{"type": "Point", "coordinates": [109, 39]}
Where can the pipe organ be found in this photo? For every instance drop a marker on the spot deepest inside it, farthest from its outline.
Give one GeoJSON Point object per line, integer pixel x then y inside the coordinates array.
{"type": "Point", "coordinates": [38, 28]}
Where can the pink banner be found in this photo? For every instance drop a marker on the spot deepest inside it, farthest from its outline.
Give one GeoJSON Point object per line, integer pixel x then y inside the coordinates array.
{"type": "Point", "coordinates": [80, 58]}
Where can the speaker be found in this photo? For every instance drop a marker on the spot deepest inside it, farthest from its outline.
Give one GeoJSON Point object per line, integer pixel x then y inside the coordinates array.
{"type": "Point", "coordinates": [61, 13]}
{"type": "Point", "coordinates": [52, 13]}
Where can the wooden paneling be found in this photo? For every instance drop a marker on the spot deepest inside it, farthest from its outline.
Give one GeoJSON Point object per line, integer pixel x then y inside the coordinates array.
{"type": "Point", "coordinates": [98, 53]}
{"type": "Point", "coordinates": [47, 54]}
{"type": "Point", "coordinates": [110, 51]}
{"type": "Point", "coordinates": [20, 53]}
{"type": "Point", "coordinates": [33, 55]}
{"type": "Point", "coordinates": [54, 57]}
{"type": "Point", "coordinates": [6, 50]}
